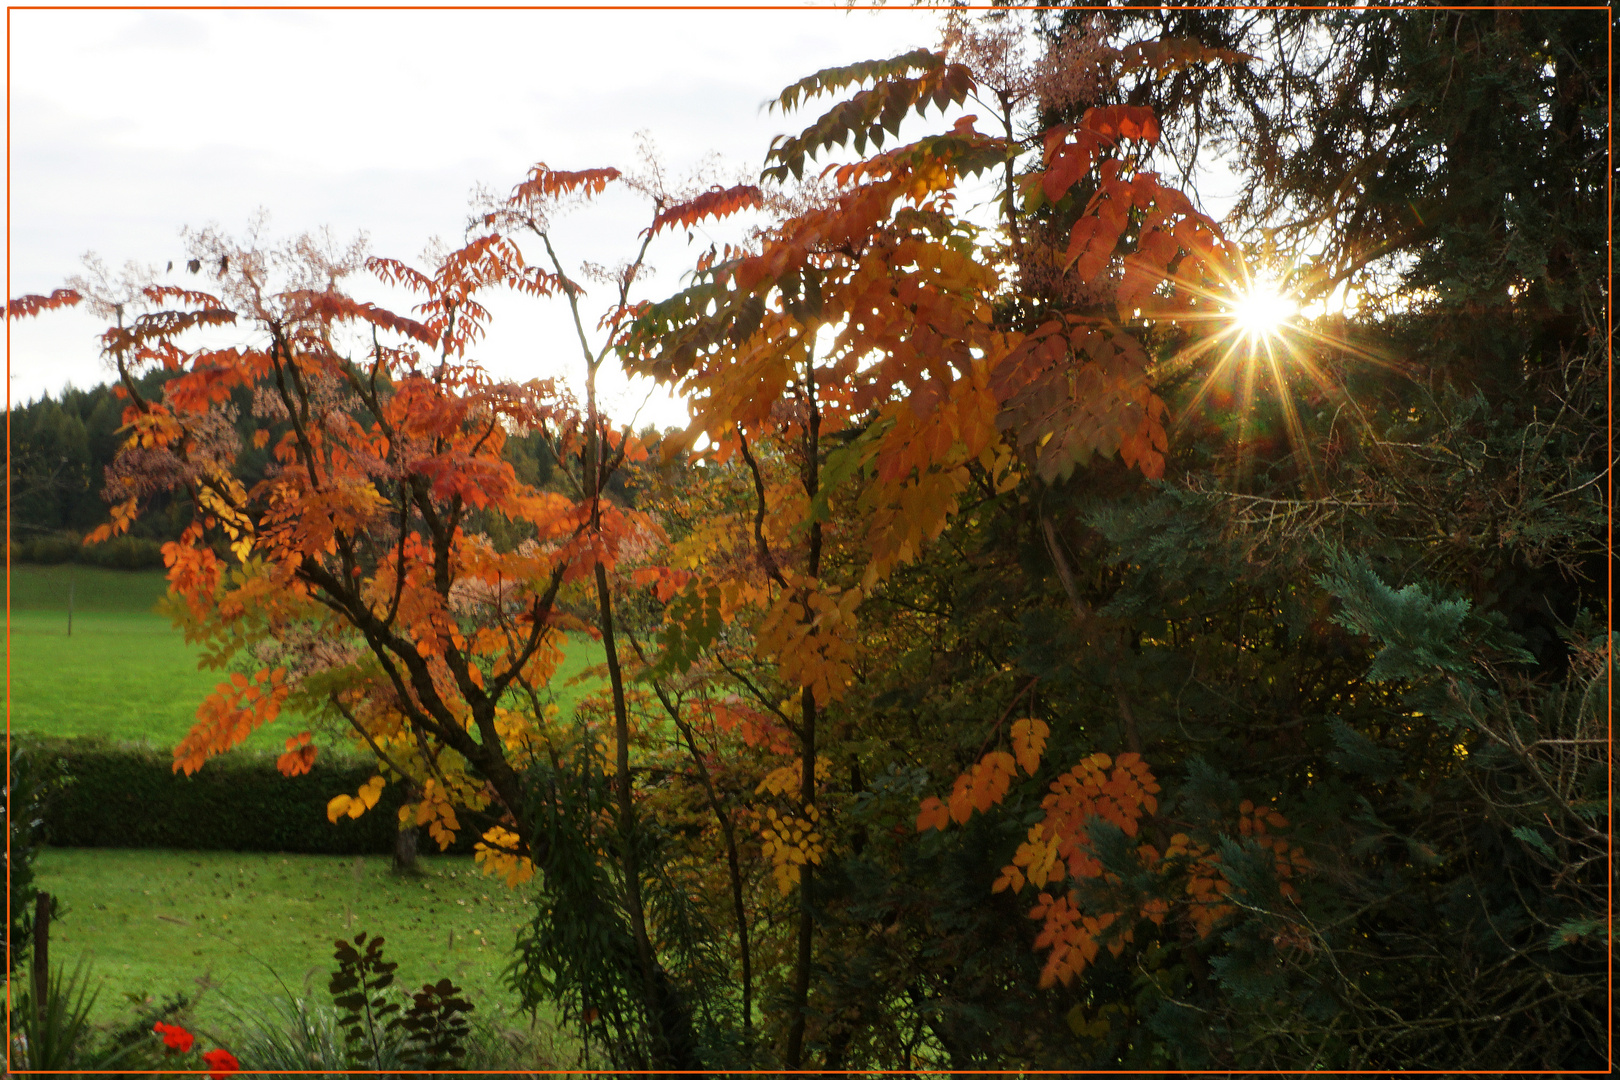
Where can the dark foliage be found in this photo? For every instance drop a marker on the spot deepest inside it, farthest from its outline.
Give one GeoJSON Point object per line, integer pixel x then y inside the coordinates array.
{"type": "Point", "coordinates": [35, 781]}
{"type": "Point", "coordinates": [130, 796]}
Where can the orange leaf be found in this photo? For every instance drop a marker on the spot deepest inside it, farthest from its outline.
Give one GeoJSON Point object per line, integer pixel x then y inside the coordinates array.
{"type": "Point", "coordinates": [547, 183]}
{"type": "Point", "coordinates": [296, 762]}
{"type": "Point", "coordinates": [1029, 739]}
{"type": "Point", "coordinates": [933, 814]}
{"type": "Point", "coordinates": [714, 203]}
{"type": "Point", "coordinates": [32, 304]}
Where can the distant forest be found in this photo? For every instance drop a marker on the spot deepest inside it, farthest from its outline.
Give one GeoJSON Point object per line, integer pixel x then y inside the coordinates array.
{"type": "Point", "coordinates": [60, 448]}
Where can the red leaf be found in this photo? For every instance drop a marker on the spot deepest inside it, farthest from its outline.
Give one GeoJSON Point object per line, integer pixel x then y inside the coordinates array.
{"type": "Point", "coordinates": [1067, 166]}
{"type": "Point", "coordinates": [546, 183]}
{"type": "Point", "coordinates": [717, 202]}
{"type": "Point", "coordinates": [334, 305]}
{"type": "Point", "coordinates": [32, 304]}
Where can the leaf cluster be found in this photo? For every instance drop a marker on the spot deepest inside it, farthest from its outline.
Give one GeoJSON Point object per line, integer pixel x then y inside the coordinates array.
{"type": "Point", "coordinates": [434, 1025]}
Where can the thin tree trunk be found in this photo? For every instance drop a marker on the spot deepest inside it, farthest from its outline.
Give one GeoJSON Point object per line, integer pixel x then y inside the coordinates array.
{"type": "Point", "coordinates": [674, 1043]}
{"type": "Point", "coordinates": [734, 868]}
{"type": "Point", "coordinates": [807, 771]}
{"type": "Point", "coordinates": [807, 920]}
{"type": "Point", "coordinates": [672, 1035]}
{"type": "Point", "coordinates": [728, 832]}
{"type": "Point", "coordinates": [739, 909]}
{"type": "Point", "coordinates": [42, 952]}
{"type": "Point", "coordinates": [623, 788]}
{"type": "Point", "coordinates": [405, 849]}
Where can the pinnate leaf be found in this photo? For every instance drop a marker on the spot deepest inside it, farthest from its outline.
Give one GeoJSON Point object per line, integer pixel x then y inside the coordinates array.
{"type": "Point", "coordinates": [717, 202]}
{"type": "Point", "coordinates": [1029, 739]}
{"type": "Point", "coordinates": [872, 114]}
{"type": "Point", "coordinates": [20, 307]}
{"type": "Point", "coordinates": [545, 182]}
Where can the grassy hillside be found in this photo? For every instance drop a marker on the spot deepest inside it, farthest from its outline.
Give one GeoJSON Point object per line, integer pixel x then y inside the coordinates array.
{"type": "Point", "coordinates": [95, 589]}
{"type": "Point", "coordinates": [161, 922]}
{"type": "Point", "coordinates": [126, 673]}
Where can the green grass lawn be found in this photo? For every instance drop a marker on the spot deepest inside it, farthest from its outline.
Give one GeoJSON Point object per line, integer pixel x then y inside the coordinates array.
{"type": "Point", "coordinates": [45, 588]}
{"type": "Point", "coordinates": [123, 675]}
{"type": "Point", "coordinates": [158, 922]}
{"type": "Point", "coordinates": [126, 673]}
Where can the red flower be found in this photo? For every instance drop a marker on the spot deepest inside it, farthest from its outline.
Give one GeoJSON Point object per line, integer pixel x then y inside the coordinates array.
{"type": "Point", "coordinates": [221, 1063]}
{"type": "Point", "coordinates": [174, 1038]}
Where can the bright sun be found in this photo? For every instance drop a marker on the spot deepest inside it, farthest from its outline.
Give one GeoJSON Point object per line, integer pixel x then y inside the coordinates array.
{"type": "Point", "coordinates": [1262, 311]}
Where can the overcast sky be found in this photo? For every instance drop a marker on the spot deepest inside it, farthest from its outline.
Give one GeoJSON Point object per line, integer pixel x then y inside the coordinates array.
{"type": "Point", "coordinates": [127, 126]}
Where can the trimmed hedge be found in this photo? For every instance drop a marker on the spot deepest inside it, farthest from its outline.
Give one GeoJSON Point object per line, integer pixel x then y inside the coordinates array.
{"type": "Point", "coordinates": [119, 553]}
{"type": "Point", "coordinates": [128, 796]}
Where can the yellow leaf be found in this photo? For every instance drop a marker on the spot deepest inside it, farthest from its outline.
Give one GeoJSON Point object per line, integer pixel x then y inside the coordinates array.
{"type": "Point", "coordinates": [1011, 877]}
{"type": "Point", "coordinates": [780, 781]}
{"type": "Point", "coordinates": [1029, 739]}
{"type": "Point", "coordinates": [337, 807]}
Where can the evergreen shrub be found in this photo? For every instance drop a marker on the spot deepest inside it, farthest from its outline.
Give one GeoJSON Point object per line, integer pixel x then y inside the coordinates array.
{"type": "Point", "coordinates": [119, 553]}
{"type": "Point", "coordinates": [127, 795]}
{"type": "Point", "coordinates": [46, 550]}
{"type": "Point", "coordinates": [124, 553]}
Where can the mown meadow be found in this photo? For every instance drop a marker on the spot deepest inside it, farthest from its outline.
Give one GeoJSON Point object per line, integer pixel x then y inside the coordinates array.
{"type": "Point", "coordinates": [233, 929]}
{"type": "Point", "coordinates": [124, 673]}
{"type": "Point", "coordinates": [234, 932]}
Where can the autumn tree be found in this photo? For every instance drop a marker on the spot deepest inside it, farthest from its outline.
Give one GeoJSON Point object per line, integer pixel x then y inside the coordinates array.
{"type": "Point", "coordinates": [662, 1035]}
{"type": "Point", "coordinates": [1217, 763]}
{"type": "Point", "coordinates": [360, 579]}
{"type": "Point", "coordinates": [858, 367]}
{"type": "Point", "coordinates": [357, 531]}
{"type": "Point", "coordinates": [353, 561]}
{"type": "Point", "coordinates": [1307, 617]}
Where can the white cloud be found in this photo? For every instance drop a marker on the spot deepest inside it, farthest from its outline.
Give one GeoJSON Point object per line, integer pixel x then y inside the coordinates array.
{"type": "Point", "coordinates": [126, 126]}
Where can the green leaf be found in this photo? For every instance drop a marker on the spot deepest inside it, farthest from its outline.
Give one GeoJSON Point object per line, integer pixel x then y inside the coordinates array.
{"type": "Point", "coordinates": [869, 114]}
{"type": "Point", "coordinates": [829, 80]}
{"type": "Point", "coordinates": [841, 464]}
{"type": "Point", "coordinates": [1573, 930]}
{"type": "Point", "coordinates": [692, 622]}
{"type": "Point", "coordinates": [1533, 838]}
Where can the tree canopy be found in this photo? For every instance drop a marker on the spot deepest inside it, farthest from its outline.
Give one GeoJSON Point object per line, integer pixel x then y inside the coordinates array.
{"type": "Point", "coordinates": [1016, 663]}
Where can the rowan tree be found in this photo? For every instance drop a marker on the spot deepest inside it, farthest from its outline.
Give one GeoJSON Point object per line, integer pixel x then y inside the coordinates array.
{"type": "Point", "coordinates": [354, 540]}
{"type": "Point", "coordinates": [857, 365]}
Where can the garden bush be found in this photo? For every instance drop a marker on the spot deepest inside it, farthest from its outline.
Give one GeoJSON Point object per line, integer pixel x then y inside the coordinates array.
{"type": "Point", "coordinates": [124, 553]}
{"type": "Point", "coordinates": [119, 553]}
{"type": "Point", "coordinates": [127, 795]}
{"type": "Point", "coordinates": [47, 550]}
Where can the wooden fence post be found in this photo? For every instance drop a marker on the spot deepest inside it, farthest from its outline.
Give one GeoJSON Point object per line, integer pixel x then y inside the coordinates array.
{"type": "Point", "coordinates": [42, 952]}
